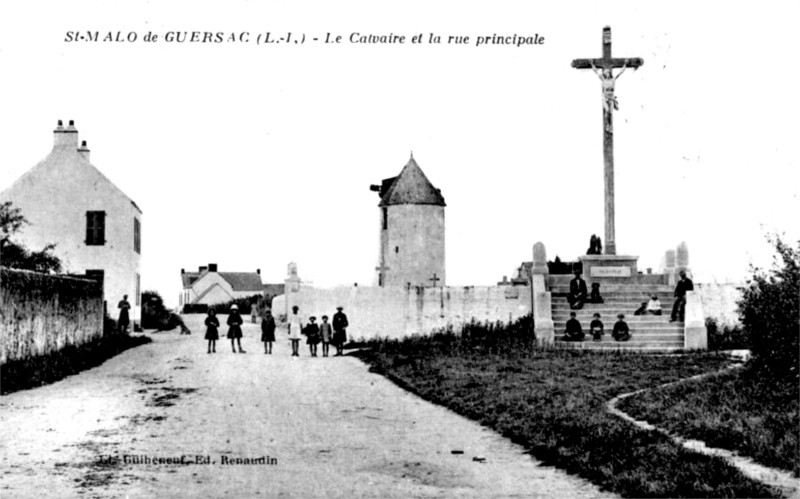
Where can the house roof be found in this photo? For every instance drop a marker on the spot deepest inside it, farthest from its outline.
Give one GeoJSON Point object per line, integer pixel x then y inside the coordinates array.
{"type": "Point", "coordinates": [243, 281]}
{"type": "Point", "coordinates": [64, 156]}
{"type": "Point", "coordinates": [412, 187]}
{"type": "Point", "coordinates": [189, 278]}
{"type": "Point", "coordinates": [207, 291]}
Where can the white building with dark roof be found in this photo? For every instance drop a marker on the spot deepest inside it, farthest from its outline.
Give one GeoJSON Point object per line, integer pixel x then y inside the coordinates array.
{"type": "Point", "coordinates": [208, 286]}
{"type": "Point", "coordinates": [97, 229]}
{"type": "Point", "coordinates": [411, 230]}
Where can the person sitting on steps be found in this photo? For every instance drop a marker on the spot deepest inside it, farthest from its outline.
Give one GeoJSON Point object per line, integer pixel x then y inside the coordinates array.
{"type": "Point", "coordinates": [574, 331]}
{"type": "Point", "coordinates": [596, 328]}
{"type": "Point", "coordinates": [577, 292]}
{"type": "Point", "coordinates": [654, 306]}
{"type": "Point", "coordinates": [621, 330]}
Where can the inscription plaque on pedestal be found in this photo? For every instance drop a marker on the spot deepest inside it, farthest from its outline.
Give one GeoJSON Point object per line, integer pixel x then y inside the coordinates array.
{"type": "Point", "coordinates": [610, 272]}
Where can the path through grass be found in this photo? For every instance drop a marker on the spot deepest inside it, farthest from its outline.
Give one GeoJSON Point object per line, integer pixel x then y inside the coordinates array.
{"type": "Point", "coordinates": [734, 410]}
{"type": "Point", "coordinates": [553, 403]}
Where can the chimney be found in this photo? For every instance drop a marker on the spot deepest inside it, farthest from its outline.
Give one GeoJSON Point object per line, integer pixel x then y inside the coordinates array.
{"type": "Point", "coordinates": [212, 267]}
{"type": "Point", "coordinates": [65, 137]}
{"type": "Point", "coordinates": [202, 269]}
{"type": "Point", "coordinates": [258, 271]}
{"type": "Point", "coordinates": [84, 150]}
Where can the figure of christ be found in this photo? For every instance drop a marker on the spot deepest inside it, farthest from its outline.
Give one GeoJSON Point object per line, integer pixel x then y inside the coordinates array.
{"type": "Point", "coordinates": [608, 80]}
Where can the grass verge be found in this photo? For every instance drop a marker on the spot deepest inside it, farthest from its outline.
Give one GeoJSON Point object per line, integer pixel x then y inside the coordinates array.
{"type": "Point", "coordinates": [737, 410]}
{"type": "Point", "coordinates": [553, 403]}
{"type": "Point", "coordinates": [38, 371]}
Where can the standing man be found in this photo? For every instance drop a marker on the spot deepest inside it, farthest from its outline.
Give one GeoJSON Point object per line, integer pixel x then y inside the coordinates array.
{"type": "Point", "coordinates": [124, 319]}
{"type": "Point", "coordinates": [339, 326]}
{"type": "Point", "coordinates": [679, 307]}
{"type": "Point", "coordinates": [577, 292]}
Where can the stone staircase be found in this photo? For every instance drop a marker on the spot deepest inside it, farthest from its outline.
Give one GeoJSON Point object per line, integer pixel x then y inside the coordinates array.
{"type": "Point", "coordinates": [648, 332]}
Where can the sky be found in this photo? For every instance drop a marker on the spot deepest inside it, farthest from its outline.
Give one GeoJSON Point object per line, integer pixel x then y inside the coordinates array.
{"type": "Point", "coordinates": [255, 155]}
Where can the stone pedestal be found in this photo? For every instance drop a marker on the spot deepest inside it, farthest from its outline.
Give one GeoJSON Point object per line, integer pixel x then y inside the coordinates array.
{"type": "Point", "coordinates": [609, 268]}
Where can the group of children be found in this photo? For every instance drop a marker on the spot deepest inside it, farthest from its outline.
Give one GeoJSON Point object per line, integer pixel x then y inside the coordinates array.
{"type": "Point", "coordinates": [325, 333]}
{"type": "Point", "coordinates": [574, 331]}
{"type": "Point", "coordinates": [235, 322]}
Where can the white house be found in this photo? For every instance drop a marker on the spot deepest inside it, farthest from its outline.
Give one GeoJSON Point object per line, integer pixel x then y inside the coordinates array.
{"type": "Point", "coordinates": [97, 229]}
{"type": "Point", "coordinates": [207, 286]}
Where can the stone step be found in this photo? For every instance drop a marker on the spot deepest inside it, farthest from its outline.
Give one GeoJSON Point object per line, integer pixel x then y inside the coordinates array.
{"type": "Point", "coordinates": [649, 337]}
{"type": "Point", "coordinates": [624, 288]}
{"type": "Point", "coordinates": [608, 315]}
{"type": "Point", "coordinates": [621, 305]}
{"type": "Point", "coordinates": [620, 346]}
{"type": "Point", "coordinates": [618, 296]}
{"type": "Point", "coordinates": [642, 326]}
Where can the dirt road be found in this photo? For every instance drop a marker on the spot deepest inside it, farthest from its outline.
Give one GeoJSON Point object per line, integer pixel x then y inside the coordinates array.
{"type": "Point", "coordinates": [251, 425]}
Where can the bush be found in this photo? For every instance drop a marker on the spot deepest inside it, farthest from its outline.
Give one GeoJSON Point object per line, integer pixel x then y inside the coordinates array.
{"type": "Point", "coordinates": [770, 314]}
{"type": "Point", "coordinates": [195, 308]}
{"type": "Point", "coordinates": [726, 339]}
{"type": "Point", "coordinates": [155, 315]}
{"type": "Point", "coordinates": [244, 304]}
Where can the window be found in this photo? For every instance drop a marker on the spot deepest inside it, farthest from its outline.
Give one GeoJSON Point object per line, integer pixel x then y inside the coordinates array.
{"type": "Point", "coordinates": [137, 235]}
{"type": "Point", "coordinates": [138, 289]}
{"type": "Point", "coordinates": [385, 218]}
{"type": "Point", "coordinates": [95, 228]}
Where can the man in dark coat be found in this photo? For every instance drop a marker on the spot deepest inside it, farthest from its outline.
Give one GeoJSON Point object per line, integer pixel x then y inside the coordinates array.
{"type": "Point", "coordinates": [679, 307]}
{"type": "Point", "coordinates": [577, 292]}
{"type": "Point", "coordinates": [339, 330]}
{"type": "Point", "coordinates": [574, 331]}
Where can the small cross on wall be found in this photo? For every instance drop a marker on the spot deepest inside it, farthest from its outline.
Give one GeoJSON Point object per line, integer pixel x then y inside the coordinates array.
{"type": "Point", "coordinates": [435, 279]}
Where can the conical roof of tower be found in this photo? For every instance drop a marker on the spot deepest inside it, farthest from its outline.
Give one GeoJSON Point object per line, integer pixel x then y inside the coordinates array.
{"type": "Point", "coordinates": [412, 187]}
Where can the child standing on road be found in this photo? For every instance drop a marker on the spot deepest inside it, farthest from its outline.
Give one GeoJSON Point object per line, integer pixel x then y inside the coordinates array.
{"type": "Point", "coordinates": [295, 330]}
{"type": "Point", "coordinates": [212, 334]}
{"type": "Point", "coordinates": [312, 333]}
{"type": "Point", "coordinates": [325, 333]}
{"type": "Point", "coordinates": [621, 331]}
{"type": "Point", "coordinates": [268, 331]}
{"type": "Point", "coordinates": [235, 322]}
{"type": "Point", "coordinates": [596, 328]}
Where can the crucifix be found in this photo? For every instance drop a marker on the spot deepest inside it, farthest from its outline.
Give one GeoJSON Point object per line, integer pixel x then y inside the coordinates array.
{"type": "Point", "coordinates": [382, 273]}
{"type": "Point", "coordinates": [434, 279]}
{"type": "Point", "coordinates": [604, 67]}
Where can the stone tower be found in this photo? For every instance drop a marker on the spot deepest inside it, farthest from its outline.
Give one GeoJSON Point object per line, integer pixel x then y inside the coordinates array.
{"type": "Point", "coordinates": [411, 224]}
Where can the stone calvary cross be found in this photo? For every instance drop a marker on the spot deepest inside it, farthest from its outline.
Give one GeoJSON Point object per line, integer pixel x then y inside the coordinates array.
{"type": "Point", "coordinates": [604, 67]}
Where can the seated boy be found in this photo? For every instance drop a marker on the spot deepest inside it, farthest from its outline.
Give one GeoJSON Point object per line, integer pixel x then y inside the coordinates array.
{"type": "Point", "coordinates": [621, 331]}
{"type": "Point", "coordinates": [654, 306]}
{"type": "Point", "coordinates": [596, 328]}
{"type": "Point", "coordinates": [574, 331]}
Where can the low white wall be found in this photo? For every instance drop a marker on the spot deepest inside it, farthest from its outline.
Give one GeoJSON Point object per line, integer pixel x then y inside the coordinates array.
{"type": "Point", "coordinates": [719, 301]}
{"type": "Point", "coordinates": [396, 312]}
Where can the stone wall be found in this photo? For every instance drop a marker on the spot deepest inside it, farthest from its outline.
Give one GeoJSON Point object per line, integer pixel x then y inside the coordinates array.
{"type": "Point", "coordinates": [397, 311]}
{"type": "Point", "coordinates": [41, 314]}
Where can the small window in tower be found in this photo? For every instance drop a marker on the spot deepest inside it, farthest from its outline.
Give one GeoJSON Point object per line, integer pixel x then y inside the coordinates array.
{"type": "Point", "coordinates": [397, 249]}
{"type": "Point", "coordinates": [385, 218]}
